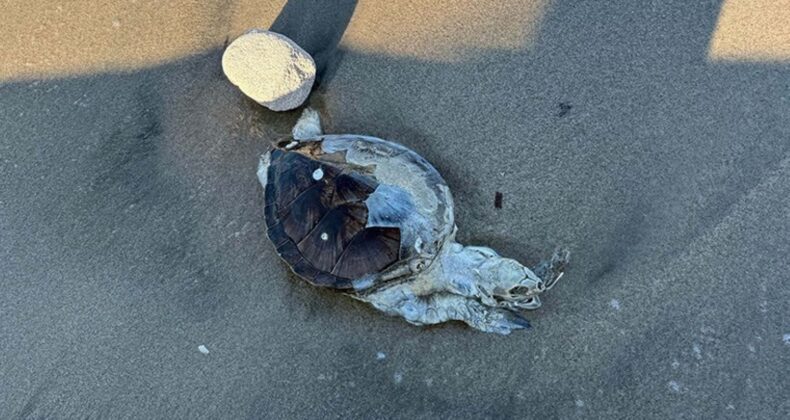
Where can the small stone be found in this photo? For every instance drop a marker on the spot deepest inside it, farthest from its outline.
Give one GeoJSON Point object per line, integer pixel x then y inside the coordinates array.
{"type": "Point", "coordinates": [202, 349]}
{"type": "Point", "coordinates": [270, 68]}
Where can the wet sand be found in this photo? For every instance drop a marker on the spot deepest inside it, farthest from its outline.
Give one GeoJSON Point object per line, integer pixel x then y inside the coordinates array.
{"type": "Point", "coordinates": [132, 229]}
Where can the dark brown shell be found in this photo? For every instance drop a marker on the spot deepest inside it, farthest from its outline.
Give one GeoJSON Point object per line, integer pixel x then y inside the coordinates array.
{"type": "Point", "coordinates": [319, 226]}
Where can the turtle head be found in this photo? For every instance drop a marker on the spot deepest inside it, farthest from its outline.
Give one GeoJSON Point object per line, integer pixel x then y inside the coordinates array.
{"type": "Point", "coordinates": [502, 282]}
{"type": "Point", "coordinates": [506, 283]}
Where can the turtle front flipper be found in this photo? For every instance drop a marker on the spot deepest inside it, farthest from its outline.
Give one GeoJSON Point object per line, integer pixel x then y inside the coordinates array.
{"type": "Point", "coordinates": [436, 308]}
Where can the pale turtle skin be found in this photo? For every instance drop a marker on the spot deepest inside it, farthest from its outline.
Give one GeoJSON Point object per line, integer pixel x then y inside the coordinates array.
{"type": "Point", "coordinates": [433, 278]}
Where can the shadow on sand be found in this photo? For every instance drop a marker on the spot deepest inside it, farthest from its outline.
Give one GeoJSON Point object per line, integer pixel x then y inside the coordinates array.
{"type": "Point", "coordinates": [133, 230]}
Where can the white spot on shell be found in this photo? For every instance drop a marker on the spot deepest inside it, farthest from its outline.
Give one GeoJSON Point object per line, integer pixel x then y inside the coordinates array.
{"type": "Point", "coordinates": [202, 349]}
{"type": "Point", "coordinates": [324, 236]}
{"type": "Point", "coordinates": [318, 174]}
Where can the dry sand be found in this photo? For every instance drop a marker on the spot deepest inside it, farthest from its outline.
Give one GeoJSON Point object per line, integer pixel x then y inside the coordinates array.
{"type": "Point", "coordinates": [137, 281]}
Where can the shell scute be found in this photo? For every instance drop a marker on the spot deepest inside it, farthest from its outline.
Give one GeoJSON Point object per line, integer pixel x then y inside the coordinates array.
{"type": "Point", "coordinates": [328, 239]}
{"type": "Point", "coordinates": [372, 248]}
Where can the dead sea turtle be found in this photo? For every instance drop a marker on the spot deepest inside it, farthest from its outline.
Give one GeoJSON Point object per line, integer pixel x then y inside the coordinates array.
{"type": "Point", "coordinates": [373, 219]}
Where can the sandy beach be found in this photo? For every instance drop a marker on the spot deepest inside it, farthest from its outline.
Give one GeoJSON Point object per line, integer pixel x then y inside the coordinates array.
{"type": "Point", "coordinates": [646, 137]}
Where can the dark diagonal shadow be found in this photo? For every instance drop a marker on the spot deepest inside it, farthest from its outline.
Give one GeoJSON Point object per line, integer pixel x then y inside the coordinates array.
{"type": "Point", "coordinates": [317, 26]}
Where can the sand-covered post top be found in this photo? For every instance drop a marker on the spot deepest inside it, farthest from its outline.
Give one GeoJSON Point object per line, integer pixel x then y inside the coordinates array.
{"type": "Point", "coordinates": [270, 68]}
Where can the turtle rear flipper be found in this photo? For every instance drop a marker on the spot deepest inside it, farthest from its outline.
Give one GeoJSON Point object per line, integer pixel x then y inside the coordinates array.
{"type": "Point", "coordinates": [308, 126]}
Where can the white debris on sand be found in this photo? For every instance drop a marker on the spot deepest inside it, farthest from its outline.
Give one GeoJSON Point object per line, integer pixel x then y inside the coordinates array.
{"type": "Point", "coordinates": [697, 351]}
{"type": "Point", "coordinates": [786, 339]}
{"type": "Point", "coordinates": [615, 304]}
{"type": "Point", "coordinates": [674, 386]}
{"type": "Point", "coordinates": [270, 68]}
{"type": "Point", "coordinates": [381, 355]}
{"type": "Point", "coordinates": [203, 349]}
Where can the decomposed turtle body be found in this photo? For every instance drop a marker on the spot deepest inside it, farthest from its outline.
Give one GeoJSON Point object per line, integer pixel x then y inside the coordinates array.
{"type": "Point", "coordinates": [373, 219]}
